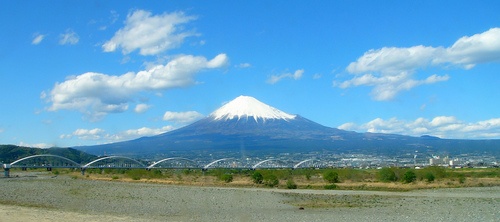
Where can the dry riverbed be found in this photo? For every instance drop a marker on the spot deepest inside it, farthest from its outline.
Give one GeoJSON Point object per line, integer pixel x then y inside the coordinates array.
{"type": "Point", "coordinates": [44, 197]}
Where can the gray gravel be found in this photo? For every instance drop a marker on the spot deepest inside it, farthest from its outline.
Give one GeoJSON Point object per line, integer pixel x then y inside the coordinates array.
{"type": "Point", "coordinates": [64, 199]}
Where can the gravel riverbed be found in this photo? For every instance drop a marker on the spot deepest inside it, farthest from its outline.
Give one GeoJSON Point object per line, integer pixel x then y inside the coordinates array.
{"type": "Point", "coordinates": [43, 197]}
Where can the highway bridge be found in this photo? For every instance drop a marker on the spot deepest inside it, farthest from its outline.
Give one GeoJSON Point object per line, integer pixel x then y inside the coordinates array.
{"type": "Point", "coordinates": [50, 162]}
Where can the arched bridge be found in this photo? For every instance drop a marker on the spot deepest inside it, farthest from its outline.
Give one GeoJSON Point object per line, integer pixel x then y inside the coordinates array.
{"type": "Point", "coordinates": [50, 161]}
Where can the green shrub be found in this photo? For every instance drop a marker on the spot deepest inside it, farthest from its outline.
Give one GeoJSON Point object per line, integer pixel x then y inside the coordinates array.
{"type": "Point", "coordinates": [386, 175]}
{"type": "Point", "coordinates": [228, 178]}
{"type": "Point", "coordinates": [115, 177]}
{"type": "Point", "coordinates": [331, 186]}
{"type": "Point", "coordinates": [429, 177]}
{"type": "Point", "coordinates": [461, 179]}
{"type": "Point", "coordinates": [290, 184]}
{"type": "Point", "coordinates": [271, 181]}
{"type": "Point", "coordinates": [257, 177]}
{"type": "Point", "coordinates": [331, 177]}
{"type": "Point", "coordinates": [409, 176]}
{"type": "Point", "coordinates": [438, 172]}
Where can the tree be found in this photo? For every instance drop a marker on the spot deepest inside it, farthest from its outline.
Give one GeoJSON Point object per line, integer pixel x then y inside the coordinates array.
{"type": "Point", "coordinates": [257, 178]}
{"type": "Point", "coordinates": [331, 177]}
{"type": "Point", "coordinates": [387, 175]}
{"type": "Point", "coordinates": [409, 176]}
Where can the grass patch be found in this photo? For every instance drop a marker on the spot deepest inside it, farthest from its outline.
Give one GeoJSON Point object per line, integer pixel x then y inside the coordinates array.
{"type": "Point", "coordinates": [334, 201]}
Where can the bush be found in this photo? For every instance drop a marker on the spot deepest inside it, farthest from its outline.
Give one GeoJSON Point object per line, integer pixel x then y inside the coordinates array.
{"type": "Point", "coordinates": [331, 187]}
{"type": "Point", "coordinates": [429, 177]}
{"type": "Point", "coordinates": [257, 178]}
{"type": "Point", "coordinates": [291, 185]}
{"type": "Point", "coordinates": [331, 177]}
{"type": "Point", "coordinates": [228, 178]}
{"type": "Point", "coordinates": [386, 175]}
{"type": "Point", "coordinates": [409, 176]}
{"type": "Point", "coordinates": [271, 181]}
{"type": "Point", "coordinates": [461, 179]}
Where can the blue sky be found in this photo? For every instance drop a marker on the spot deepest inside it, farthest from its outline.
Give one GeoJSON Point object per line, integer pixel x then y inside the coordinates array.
{"type": "Point", "coordinates": [92, 72]}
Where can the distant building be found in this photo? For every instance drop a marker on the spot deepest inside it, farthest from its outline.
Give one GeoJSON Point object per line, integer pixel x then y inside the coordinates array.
{"type": "Point", "coordinates": [455, 162]}
{"type": "Point", "coordinates": [437, 161]}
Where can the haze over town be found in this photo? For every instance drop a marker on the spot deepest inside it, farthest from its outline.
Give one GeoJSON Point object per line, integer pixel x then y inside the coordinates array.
{"type": "Point", "coordinates": [91, 73]}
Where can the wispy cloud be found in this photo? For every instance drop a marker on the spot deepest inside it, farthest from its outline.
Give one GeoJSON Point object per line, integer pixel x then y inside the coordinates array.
{"type": "Point", "coordinates": [36, 145]}
{"type": "Point", "coordinates": [102, 136]}
{"type": "Point", "coordinates": [112, 20]}
{"type": "Point", "coordinates": [182, 117]}
{"type": "Point", "coordinates": [390, 70]}
{"type": "Point", "coordinates": [243, 65]}
{"type": "Point", "coordinates": [151, 34]}
{"type": "Point", "coordinates": [38, 38]}
{"type": "Point", "coordinates": [141, 108]}
{"type": "Point", "coordinates": [98, 94]}
{"type": "Point", "coordinates": [441, 126]}
{"type": "Point", "coordinates": [276, 78]}
{"type": "Point", "coordinates": [69, 37]}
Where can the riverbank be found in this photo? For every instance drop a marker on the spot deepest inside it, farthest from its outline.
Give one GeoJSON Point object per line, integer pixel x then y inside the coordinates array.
{"type": "Point", "coordinates": [46, 197]}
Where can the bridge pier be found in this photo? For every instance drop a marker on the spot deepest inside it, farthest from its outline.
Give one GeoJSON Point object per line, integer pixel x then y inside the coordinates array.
{"type": "Point", "coordinates": [6, 170]}
{"type": "Point", "coordinates": [83, 171]}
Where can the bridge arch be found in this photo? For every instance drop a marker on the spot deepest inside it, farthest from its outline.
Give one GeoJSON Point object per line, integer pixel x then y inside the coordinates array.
{"type": "Point", "coordinates": [114, 157]}
{"type": "Point", "coordinates": [217, 161]}
{"type": "Point", "coordinates": [75, 164]}
{"type": "Point", "coordinates": [304, 161]}
{"type": "Point", "coordinates": [173, 158]}
{"type": "Point", "coordinates": [269, 160]}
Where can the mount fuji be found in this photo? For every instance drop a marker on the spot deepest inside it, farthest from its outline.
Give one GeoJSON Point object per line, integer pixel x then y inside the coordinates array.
{"type": "Point", "coordinates": [247, 125]}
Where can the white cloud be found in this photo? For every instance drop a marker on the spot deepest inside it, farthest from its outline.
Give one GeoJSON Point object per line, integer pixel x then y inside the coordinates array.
{"type": "Point", "coordinates": [390, 70]}
{"type": "Point", "coordinates": [140, 108]}
{"type": "Point", "coordinates": [97, 94]}
{"type": "Point", "coordinates": [100, 135]}
{"type": "Point", "coordinates": [388, 86]}
{"type": "Point", "coordinates": [391, 61]}
{"type": "Point", "coordinates": [471, 50]}
{"type": "Point", "coordinates": [276, 78]}
{"type": "Point", "coordinates": [69, 37]}
{"type": "Point", "coordinates": [441, 126]}
{"type": "Point", "coordinates": [244, 65]}
{"type": "Point", "coordinates": [38, 39]}
{"type": "Point", "coordinates": [36, 145]}
{"type": "Point", "coordinates": [144, 131]}
{"type": "Point", "coordinates": [182, 117]}
{"type": "Point", "coordinates": [86, 134]}
{"type": "Point", "coordinates": [151, 34]}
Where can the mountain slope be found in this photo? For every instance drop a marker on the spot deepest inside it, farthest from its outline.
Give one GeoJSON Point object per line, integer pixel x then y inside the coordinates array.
{"type": "Point", "coordinates": [11, 153]}
{"type": "Point", "coordinates": [248, 125]}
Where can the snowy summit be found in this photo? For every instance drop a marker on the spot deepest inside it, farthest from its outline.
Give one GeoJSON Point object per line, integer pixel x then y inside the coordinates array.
{"type": "Point", "coordinates": [249, 107]}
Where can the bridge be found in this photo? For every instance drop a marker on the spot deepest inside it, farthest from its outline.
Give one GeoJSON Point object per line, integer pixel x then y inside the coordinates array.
{"type": "Point", "coordinates": [50, 161]}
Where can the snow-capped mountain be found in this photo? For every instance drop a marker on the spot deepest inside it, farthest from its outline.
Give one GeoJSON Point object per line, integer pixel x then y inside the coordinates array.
{"type": "Point", "coordinates": [247, 125]}
{"type": "Point", "coordinates": [249, 107]}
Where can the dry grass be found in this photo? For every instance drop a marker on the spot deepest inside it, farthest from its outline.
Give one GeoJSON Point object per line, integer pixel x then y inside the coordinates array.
{"type": "Point", "coordinates": [314, 182]}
